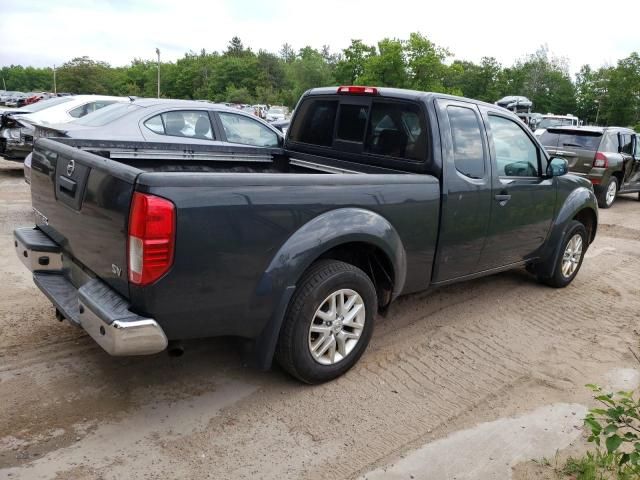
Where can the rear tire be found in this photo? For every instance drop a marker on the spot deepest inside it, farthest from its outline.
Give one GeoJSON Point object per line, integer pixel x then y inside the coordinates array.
{"type": "Point", "coordinates": [573, 247]}
{"type": "Point", "coordinates": [607, 196]}
{"type": "Point", "coordinates": [315, 345]}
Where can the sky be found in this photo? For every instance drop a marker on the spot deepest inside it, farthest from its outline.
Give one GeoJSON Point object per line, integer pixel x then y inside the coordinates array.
{"type": "Point", "coordinates": [49, 32]}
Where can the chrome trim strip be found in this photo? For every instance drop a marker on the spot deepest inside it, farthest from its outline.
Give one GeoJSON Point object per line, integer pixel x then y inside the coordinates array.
{"type": "Point", "coordinates": [173, 155]}
{"type": "Point", "coordinates": [322, 168]}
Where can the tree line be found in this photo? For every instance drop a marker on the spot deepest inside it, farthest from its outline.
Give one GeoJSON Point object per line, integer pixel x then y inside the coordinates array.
{"type": "Point", "coordinates": [609, 95]}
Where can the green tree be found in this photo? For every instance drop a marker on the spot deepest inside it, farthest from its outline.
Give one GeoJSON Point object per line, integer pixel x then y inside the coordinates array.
{"type": "Point", "coordinates": [425, 64]}
{"type": "Point", "coordinates": [84, 75]}
{"type": "Point", "coordinates": [388, 68]}
{"type": "Point", "coordinates": [350, 68]}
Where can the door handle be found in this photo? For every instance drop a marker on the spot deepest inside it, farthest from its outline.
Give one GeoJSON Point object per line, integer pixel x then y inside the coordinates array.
{"type": "Point", "coordinates": [67, 185]}
{"type": "Point", "coordinates": [502, 198]}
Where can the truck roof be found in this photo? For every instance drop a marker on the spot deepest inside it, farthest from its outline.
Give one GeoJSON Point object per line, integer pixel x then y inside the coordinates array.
{"type": "Point", "coordinates": [405, 95]}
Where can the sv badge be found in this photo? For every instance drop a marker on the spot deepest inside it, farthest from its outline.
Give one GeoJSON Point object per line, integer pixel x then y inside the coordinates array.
{"type": "Point", "coordinates": [117, 271]}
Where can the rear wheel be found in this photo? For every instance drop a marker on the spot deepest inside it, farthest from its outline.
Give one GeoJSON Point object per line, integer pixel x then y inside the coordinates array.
{"type": "Point", "coordinates": [608, 195]}
{"type": "Point", "coordinates": [329, 322]}
{"type": "Point", "coordinates": [574, 246]}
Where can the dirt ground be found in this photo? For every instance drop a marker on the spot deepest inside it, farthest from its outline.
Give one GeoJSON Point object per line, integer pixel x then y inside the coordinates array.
{"type": "Point", "coordinates": [482, 351]}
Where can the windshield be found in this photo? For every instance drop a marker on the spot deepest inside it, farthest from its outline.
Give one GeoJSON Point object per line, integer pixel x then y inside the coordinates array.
{"type": "Point", "coordinates": [277, 111]}
{"type": "Point", "coordinates": [107, 114]}
{"type": "Point", "coordinates": [43, 104]}
{"type": "Point", "coordinates": [582, 140]}
{"type": "Point", "coordinates": [555, 122]}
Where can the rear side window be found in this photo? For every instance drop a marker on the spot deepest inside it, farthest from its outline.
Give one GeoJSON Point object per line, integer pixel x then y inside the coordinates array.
{"type": "Point", "coordinates": [466, 135]}
{"type": "Point", "coordinates": [627, 144]}
{"type": "Point", "coordinates": [397, 130]}
{"type": "Point", "coordinates": [610, 143]}
{"type": "Point", "coordinates": [582, 140]}
{"type": "Point", "coordinates": [185, 123]}
{"type": "Point", "coordinates": [87, 108]}
{"type": "Point", "coordinates": [317, 122]}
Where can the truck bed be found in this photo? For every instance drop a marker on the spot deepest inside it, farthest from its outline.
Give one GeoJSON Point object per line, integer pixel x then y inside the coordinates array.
{"type": "Point", "coordinates": [238, 221]}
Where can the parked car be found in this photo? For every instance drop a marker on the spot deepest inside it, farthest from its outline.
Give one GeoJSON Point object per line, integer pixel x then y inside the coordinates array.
{"type": "Point", "coordinates": [607, 156]}
{"type": "Point", "coordinates": [282, 125]}
{"type": "Point", "coordinates": [551, 120]}
{"type": "Point", "coordinates": [170, 121]}
{"type": "Point", "coordinates": [167, 121]}
{"type": "Point", "coordinates": [377, 193]}
{"type": "Point", "coordinates": [17, 128]}
{"type": "Point", "coordinates": [6, 96]}
{"type": "Point", "coordinates": [275, 113]}
{"type": "Point", "coordinates": [16, 100]}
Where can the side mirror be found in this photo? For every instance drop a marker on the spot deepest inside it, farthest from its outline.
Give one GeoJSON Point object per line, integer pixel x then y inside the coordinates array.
{"type": "Point", "coordinates": [557, 167]}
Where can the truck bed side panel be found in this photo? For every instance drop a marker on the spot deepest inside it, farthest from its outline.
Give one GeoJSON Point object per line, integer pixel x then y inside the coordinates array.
{"type": "Point", "coordinates": [229, 227]}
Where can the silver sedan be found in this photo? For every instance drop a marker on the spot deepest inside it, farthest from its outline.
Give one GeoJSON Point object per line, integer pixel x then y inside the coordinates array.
{"type": "Point", "coordinates": [169, 121]}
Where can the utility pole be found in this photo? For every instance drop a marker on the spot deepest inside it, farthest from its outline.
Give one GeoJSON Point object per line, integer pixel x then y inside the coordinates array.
{"type": "Point", "coordinates": [158, 52]}
{"type": "Point", "coordinates": [597, 102]}
{"type": "Point", "coordinates": [55, 86]}
{"type": "Point", "coordinates": [4, 85]}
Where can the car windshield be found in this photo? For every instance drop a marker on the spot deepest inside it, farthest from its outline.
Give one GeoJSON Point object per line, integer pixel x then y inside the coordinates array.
{"type": "Point", "coordinates": [276, 111]}
{"type": "Point", "coordinates": [584, 140]}
{"type": "Point", "coordinates": [44, 104]}
{"type": "Point", "coordinates": [555, 122]}
{"type": "Point", "coordinates": [107, 114]}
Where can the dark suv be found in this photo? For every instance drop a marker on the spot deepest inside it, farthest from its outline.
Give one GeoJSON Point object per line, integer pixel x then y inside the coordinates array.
{"type": "Point", "coordinates": [608, 156]}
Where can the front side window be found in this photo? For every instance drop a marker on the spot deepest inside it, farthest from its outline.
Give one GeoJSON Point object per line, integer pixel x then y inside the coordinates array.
{"type": "Point", "coordinates": [396, 130]}
{"type": "Point", "coordinates": [182, 123]}
{"type": "Point", "coordinates": [516, 154]}
{"type": "Point", "coordinates": [466, 135]}
{"type": "Point", "coordinates": [247, 131]}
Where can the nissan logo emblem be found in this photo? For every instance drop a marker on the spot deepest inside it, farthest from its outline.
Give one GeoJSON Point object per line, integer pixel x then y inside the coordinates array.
{"type": "Point", "coordinates": [71, 166]}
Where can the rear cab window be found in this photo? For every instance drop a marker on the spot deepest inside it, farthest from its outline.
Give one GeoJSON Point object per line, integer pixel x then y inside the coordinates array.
{"type": "Point", "coordinates": [366, 129]}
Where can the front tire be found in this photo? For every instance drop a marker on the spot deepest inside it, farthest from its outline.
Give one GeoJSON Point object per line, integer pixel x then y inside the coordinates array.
{"type": "Point", "coordinates": [573, 247]}
{"type": "Point", "coordinates": [329, 322]}
{"type": "Point", "coordinates": [608, 195]}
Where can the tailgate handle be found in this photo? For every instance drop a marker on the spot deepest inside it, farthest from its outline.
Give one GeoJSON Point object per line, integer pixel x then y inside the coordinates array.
{"type": "Point", "coordinates": [67, 185]}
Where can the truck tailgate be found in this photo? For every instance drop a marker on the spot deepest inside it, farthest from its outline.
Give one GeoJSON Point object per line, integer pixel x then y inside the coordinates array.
{"type": "Point", "coordinates": [82, 201]}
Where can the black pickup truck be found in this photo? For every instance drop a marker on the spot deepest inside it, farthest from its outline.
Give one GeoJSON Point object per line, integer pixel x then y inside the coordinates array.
{"type": "Point", "coordinates": [376, 193]}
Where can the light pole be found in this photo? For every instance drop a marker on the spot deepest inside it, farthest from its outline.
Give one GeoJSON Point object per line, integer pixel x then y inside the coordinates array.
{"type": "Point", "coordinates": [158, 52]}
{"type": "Point", "coordinates": [55, 87]}
{"type": "Point", "coordinates": [597, 102]}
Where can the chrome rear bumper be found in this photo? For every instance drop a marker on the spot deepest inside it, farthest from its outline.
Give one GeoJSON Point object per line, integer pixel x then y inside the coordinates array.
{"type": "Point", "coordinates": [97, 308]}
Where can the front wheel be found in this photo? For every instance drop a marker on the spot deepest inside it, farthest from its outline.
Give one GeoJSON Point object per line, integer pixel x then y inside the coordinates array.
{"type": "Point", "coordinates": [608, 195]}
{"type": "Point", "coordinates": [574, 245]}
{"type": "Point", "coordinates": [329, 322]}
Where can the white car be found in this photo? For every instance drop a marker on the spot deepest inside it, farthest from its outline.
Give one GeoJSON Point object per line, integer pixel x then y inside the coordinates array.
{"type": "Point", "coordinates": [17, 127]}
{"type": "Point", "coordinates": [66, 109]}
{"type": "Point", "coordinates": [275, 113]}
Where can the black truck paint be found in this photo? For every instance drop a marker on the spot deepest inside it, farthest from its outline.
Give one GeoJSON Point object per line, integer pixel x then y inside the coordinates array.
{"type": "Point", "coordinates": [250, 222]}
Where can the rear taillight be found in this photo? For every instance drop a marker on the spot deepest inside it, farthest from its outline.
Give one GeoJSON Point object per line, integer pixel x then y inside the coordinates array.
{"type": "Point", "coordinates": [358, 90]}
{"type": "Point", "coordinates": [152, 223]}
{"type": "Point", "coordinates": [600, 160]}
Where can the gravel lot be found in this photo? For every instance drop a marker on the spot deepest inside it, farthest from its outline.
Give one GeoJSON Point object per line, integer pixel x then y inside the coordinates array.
{"type": "Point", "coordinates": [486, 350]}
